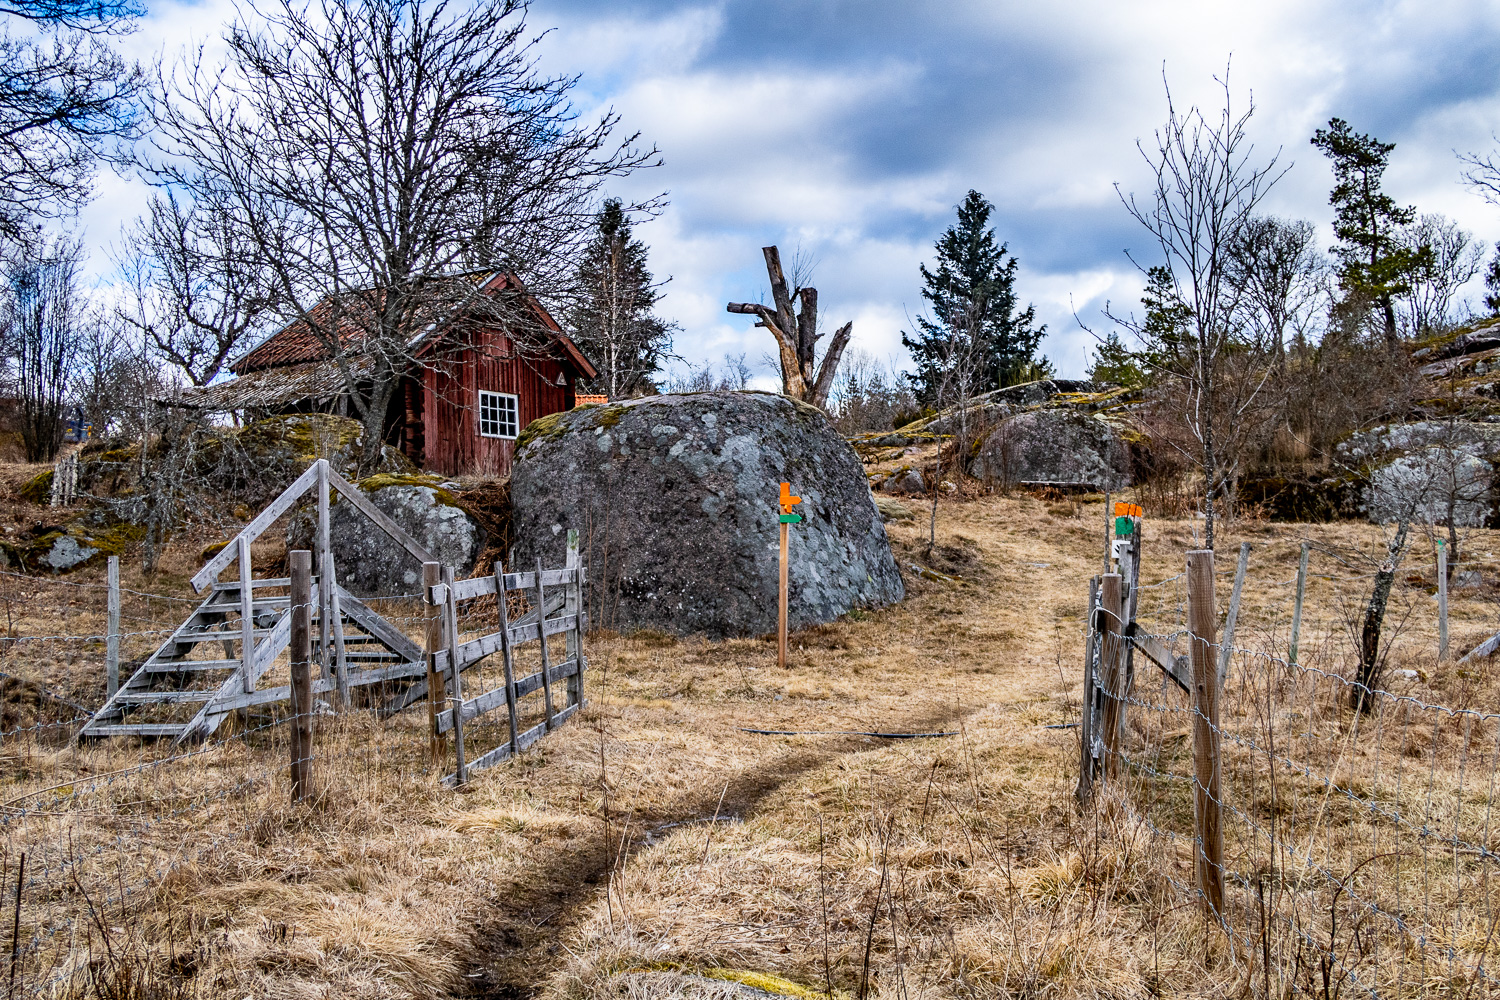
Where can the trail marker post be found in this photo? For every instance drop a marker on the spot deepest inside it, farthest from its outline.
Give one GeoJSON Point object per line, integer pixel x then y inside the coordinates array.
{"type": "Point", "coordinates": [1442, 596]}
{"type": "Point", "coordinates": [787, 518]}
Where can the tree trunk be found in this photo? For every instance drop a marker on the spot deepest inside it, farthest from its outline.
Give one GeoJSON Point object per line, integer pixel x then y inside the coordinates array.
{"type": "Point", "coordinates": [797, 335]}
{"type": "Point", "coordinates": [1369, 638]}
{"type": "Point", "coordinates": [373, 421]}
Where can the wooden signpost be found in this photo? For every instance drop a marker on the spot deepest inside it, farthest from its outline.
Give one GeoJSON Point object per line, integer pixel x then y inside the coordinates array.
{"type": "Point", "coordinates": [787, 518]}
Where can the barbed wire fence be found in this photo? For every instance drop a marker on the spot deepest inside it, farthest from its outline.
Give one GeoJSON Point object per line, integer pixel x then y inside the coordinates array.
{"type": "Point", "coordinates": [1342, 835]}
{"type": "Point", "coordinates": [95, 836]}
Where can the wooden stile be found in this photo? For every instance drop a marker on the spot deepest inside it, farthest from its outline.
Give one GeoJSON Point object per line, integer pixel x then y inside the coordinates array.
{"type": "Point", "coordinates": [301, 665]}
{"type": "Point", "coordinates": [1207, 791]}
{"type": "Point", "coordinates": [247, 614]}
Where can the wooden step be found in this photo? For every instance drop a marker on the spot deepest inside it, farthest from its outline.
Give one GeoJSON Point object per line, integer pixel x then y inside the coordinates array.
{"type": "Point", "coordinates": [255, 633]}
{"type": "Point", "coordinates": [163, 697]}
{"type": "Point", "coordinates": [183, 666]}
{"type": "Point", "coordinates": [281, 581]}
{"type": "Point", "coordinates": [126, 729]}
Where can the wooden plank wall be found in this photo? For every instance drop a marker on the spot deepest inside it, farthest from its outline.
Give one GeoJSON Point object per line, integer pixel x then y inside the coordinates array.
{"type": "Point", "coordinates": [449, 404]}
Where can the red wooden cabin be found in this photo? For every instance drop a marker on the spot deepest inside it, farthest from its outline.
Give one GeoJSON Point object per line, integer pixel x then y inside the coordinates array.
{"type": "Point", "coordinates": [460, 411]}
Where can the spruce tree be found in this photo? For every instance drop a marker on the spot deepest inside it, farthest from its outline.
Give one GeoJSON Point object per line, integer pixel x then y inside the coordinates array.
{"type": "Point", "coordinates": [1492, 284]}
{"type": "Point", "coordinates": [611, 320]}
{"type": "Point", "coordinates": [974, 339]}
{"type": "Point", "coordinates": [1374, 261]}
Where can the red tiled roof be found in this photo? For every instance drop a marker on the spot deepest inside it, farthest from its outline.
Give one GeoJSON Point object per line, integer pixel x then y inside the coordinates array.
{"type": "Point", "coordinates": [299, 342]}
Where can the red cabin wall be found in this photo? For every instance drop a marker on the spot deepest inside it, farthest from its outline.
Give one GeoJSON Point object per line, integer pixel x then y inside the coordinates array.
{"type": "Point", "coordinates": [451, 382]}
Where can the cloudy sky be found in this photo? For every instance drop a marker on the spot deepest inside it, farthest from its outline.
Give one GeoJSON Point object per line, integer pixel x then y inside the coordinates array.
{"type": "Point", "coordinates": [848, 131]}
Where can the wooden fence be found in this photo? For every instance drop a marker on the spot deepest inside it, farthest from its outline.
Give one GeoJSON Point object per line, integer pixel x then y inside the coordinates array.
{"type": "Point", "coordinates": [556, 598]}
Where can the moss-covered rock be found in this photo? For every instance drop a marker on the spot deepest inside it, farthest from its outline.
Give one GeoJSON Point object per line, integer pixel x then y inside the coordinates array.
{"type": "Point", "coordinates": [675, 495]}
{"type": "Point", "coordinates": [37, 489]}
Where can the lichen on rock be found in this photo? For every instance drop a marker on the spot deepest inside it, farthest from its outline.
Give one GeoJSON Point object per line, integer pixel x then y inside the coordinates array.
{"type": "Point", "coordinates": [675, 499]}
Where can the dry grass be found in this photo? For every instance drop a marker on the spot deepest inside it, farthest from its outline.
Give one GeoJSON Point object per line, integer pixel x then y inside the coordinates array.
{"type": "Point", "coordinates": [652, 834]}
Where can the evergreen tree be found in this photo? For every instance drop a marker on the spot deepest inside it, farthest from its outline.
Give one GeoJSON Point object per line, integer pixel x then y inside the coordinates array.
{"type": "Point", "coordinates": [611, 320]}
{"type": "Point", "coordinates": [1492, 283]}
{"type": "Point", "coordinates": [1164, 334]}
{"type": "Point", "coordinates": [1374, 260]}
{"type": "Point", "coordinates": [974, 340]}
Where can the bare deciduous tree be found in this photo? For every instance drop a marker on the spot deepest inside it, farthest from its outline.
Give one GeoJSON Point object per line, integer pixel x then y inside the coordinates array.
{"type": "Point", "coordinates": [367, 152]}
{"type": "Point", "coordinates": [42, 316]}
{"type": "Point", "coordinates": [796, 331]}
{"type": "Point", "coordinates": [65, 98]}
{"type": "Point", "coordinates": [1279, 279]}
{"type": "Point", "coordinates": [1452, 259]}
{"type": "Point", "coordinates": [196, 288]}
{"type": "Point", "coordinates": [1206, 190]}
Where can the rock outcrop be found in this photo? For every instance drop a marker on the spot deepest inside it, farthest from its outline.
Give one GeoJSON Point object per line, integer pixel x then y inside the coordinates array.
{"type": "Point", "coordinates": [1054, 445]}
{"type": "Point", "coordinates": [675, 499]}
{"type": "Point", "coordinates": [1427, 470]}
{"type": "Point", "coordinates": [372, 564]}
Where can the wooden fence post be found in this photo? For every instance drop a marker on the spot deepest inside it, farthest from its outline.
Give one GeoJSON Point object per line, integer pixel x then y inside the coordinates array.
{"type": "Point", "coordinates": [433, 629]}
{"type": "Point", "coordinates": [247, 617]}
{"type": "Point", "coordinates": [541, 631]}
{"type": "Point", "coordinates": [1086, 726]}
{"type": "Point", "coordinates": [112, 636]}
{"type": "Point", "coordinates": [1297, 608]}
{"type": "Point", "coordinates": [1226, 649]}
{"type": "Point", "coordinates": [1109, 520]}
{"type": "Point", "coordinates": [507, 656]}
{"type": "Point", "coordinates": [1206, 766]}
{"type": "Point", "coordinates": [324, 545]}
{"type": "Point", "coordinates": [455, 675]}
{"type": "Point", "coordinates": [1442, 595]}
{"type": "Point", "coordinates": [1112, 667]}
{"type": "Point", "coordinates": [572, 606]}
{"type": "Point", "coordinates": [301, 660]}
{"type": "Point", "coordinates": [781, 599]}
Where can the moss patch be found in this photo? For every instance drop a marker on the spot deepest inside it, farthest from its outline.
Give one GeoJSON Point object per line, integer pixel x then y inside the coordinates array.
{"type": "Point", "coordinates": [385, 480]}
{"type": "Point", "coordinates": [38, 489]}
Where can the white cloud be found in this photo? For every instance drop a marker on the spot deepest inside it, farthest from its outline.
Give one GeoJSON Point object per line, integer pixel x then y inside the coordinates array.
{"type": "Point", "coordinates": [853, 130]}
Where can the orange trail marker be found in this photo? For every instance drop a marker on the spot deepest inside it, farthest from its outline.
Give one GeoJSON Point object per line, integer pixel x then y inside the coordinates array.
{"type": "Point", "coordinates": [787, 501]}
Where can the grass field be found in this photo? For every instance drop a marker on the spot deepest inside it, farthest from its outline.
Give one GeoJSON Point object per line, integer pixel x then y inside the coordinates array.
{"type": "Point", "coordinates": [653, 836]}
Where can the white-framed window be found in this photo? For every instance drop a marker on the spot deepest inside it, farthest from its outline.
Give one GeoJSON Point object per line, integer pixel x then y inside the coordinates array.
{"type": "Point", "coordinates": [499, 415]}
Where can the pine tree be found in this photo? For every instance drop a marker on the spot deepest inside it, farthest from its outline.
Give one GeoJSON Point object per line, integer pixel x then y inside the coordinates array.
{"type": "Point", "coordinates": [974, 339]}
{"type": "Point", "coordinates": [1374, 261]}
{"type": "Point", "coordinates": [612, 321]}
{"type": "Point", "coordinates": [1492, 283]}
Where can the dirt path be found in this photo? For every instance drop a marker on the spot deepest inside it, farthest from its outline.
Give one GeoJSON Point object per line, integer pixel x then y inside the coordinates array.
{"type": "Point", "coordinates": [519, 936]}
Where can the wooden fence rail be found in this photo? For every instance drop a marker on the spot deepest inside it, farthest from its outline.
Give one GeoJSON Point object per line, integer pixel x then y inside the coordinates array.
{"type": "Point", "coordinates": [449, 658]}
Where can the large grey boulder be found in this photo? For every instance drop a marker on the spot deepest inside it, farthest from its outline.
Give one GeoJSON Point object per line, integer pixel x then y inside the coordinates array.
{"type": "Point", "coordinates": [1054, 446]}
{"type": "Point", "coordinates": [372, 564]}
{"type": "Point", "coordinates": [675, 499]}
{"type": "Point", "coordinates": [1436, 485]}
{"type": "Point", "coordinates": [1427, 470]}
